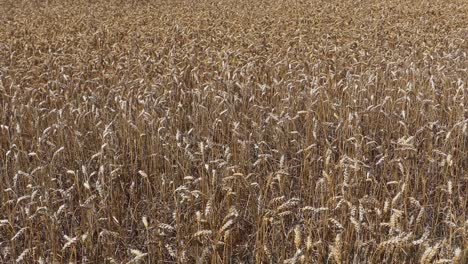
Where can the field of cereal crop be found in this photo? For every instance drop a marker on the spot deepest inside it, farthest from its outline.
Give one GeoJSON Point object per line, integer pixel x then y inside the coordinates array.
{"type": "Point", "coordinates": [234, 131]}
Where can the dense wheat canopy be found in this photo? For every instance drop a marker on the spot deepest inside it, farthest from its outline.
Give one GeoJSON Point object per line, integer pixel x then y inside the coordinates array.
{"type": "Point", "coordinates": [234, 131]}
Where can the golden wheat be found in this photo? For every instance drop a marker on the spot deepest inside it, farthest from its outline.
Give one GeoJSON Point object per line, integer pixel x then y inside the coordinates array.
{"type": "Point", "coordinates": [233, 131]}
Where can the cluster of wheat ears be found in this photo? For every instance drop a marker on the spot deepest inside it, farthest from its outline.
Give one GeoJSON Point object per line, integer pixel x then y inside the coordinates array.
{"type": "Point", "coordinates": [234, 131]}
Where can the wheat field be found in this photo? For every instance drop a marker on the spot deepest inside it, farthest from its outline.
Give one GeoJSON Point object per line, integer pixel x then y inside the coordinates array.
{"type": "Point", "coordinates": [234, 131]}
